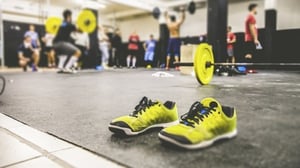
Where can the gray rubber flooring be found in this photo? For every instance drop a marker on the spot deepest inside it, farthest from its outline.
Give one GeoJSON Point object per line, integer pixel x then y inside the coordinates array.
{"type": "Point", "coordinates": [79, 107]}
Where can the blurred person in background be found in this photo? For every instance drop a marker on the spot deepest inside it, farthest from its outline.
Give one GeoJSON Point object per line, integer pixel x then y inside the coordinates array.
{"type": "Point", "coordinates": [48, 40]}
{"type": "Point", "coordinates": [64, 47]}
{"type": "Point", "coordinates": [36, 45]}
{"type": "Point", "coordinates": [82, 41]}
{"type": "Point", "coordinates": [133, 48]}
{"type": "Point", "coordinates": [251, 36]}
{"type": "Point", "coordinates": [116, 43]}
{"type": "Point", "coordinates": [149, 47]}
{"type": "Point", "coordinates": [104, 44]}
{"type": "Point", "coordinates": [27, 55]}
{"type": "Point", "coordinates": [231, 39]}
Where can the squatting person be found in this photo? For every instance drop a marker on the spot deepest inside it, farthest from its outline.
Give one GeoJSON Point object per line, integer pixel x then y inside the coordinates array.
{"type": "Point", "coordinates": [27, 55]}
{"type": "Point", "coordinates": [36, 45]}
{"type": "Point", "coordinates": [63, 45]}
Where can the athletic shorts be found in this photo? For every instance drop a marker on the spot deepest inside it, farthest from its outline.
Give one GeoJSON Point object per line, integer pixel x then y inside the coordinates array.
{"type": "Point", "coordinates": [65, 48]}
{"type": "Point", "coordinates": [230, 52]}
{"type": "Point", "coordinates": [28, 54]}
{"type": "Point", "coordinates": [133, 52]}
{"type": "Point", "coordinates": [149, 56]}
{"type": "Point", "coordinates": [174, 47]}
{"type": "Point", "coordinates": [48, 49]}
{"type": "Point", "coordinates": [250, 48]}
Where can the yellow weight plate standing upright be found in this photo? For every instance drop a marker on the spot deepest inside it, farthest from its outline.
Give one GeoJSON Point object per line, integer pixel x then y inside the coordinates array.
{"type": "Point", "coordinates": [203, 55]}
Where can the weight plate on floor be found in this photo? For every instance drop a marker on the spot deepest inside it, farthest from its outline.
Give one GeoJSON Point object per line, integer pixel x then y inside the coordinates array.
{"type": "Point", "coordinates": [203, 55]}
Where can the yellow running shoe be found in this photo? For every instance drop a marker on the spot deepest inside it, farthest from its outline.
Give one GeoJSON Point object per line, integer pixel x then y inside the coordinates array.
{"type": "Point", "coordinates": [206, 122]}
{"type": "Point", "coordinates": [147, 114]}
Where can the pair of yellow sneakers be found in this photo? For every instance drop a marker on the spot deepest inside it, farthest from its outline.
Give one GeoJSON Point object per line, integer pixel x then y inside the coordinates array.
{"type": "Point", "coordinates": [206, 122]}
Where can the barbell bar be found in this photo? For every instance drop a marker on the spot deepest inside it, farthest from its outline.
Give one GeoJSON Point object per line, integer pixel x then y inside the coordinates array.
{"type": "Point", "coordinates": [191, 8]}
{"type": "Point", "coordinates": [208, 64]}
{"type": "Point", "coordinates": [204, 64]}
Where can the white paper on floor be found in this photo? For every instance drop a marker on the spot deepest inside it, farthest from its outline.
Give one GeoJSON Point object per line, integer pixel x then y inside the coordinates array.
{"type": "Point", "coordinates": [161, 74]}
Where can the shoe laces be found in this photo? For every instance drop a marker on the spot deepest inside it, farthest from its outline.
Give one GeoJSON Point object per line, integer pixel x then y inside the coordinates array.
{"type": "Point", "coordinates": [197, 113]}
{"type": "Point", "coordinates": [143, 105]}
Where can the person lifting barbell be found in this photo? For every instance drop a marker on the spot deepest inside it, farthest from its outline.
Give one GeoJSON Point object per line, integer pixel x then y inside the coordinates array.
{"type": "Point", "coordinates": [63, 46]}
{"type": "Point", "coordinates": [174, 41]}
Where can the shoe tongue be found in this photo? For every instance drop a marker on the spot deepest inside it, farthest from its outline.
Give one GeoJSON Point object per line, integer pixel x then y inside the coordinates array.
{"type": "Point", "coordinates": [210, 102]}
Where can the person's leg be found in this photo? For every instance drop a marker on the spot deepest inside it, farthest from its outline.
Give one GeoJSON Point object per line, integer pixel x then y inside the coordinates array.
{"type": "Point", "coordinates": [146, 57]}
{"type": "Point", "coordinates": [168, 62]}
{"type": "Point", "coordinates": [177, 44]}
{"type": "Point", "coordinates": [49, 59]}
{"type": "Point", "coordinates": [52, 57]}
{"type": "Point", "coordinates": [169, 53]}
{"type": "Point", "coordinates": [228, 55]}
{"type": "Point", "coordinates": [105, 56]}
{"type": "Point", "coordinates": [128, 61]}
{"type": "Point", "coordinates": [75, 53]}
{"type": "Point", "coordinates": [133, 61]}
{"type": "Point", "coordinates": [23, 63]}
{"type": "Point", "coordinates": [150, 59]}
{"type": "Point", "coordinates": [74, 58]}
{"type": "Point", "coordinates": [102, 55]}
{"type": "Point", "coordinates": [176, 61]}
{"type": "Point", "coordinates": [36, 59]}
{"type": "Point", "coordinates": [248, 54]}
{"type": "Point", "coordinates": [61, 61]}
{"type": "Point", "coordinates": [114, 58]}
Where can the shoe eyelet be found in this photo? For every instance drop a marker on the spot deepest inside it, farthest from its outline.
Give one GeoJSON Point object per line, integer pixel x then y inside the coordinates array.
{"type": "Point", "coordinates": [219, 113]}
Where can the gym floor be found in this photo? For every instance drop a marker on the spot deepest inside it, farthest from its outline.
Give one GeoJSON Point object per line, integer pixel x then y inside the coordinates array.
{"type": "Point", "coordinates": [78, 108]}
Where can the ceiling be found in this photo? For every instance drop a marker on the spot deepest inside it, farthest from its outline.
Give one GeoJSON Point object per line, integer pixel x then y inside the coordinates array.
{"type": "Point", "coordinates": [108, 8]}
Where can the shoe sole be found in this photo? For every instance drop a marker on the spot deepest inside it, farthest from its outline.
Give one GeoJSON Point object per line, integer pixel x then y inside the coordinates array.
{"type": "Point", "coordinates": [201, 145]}
{"type": "Point", "coordinates": [129, 132]}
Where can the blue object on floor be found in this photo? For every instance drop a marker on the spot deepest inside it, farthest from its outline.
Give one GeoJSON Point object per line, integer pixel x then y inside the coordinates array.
{"type": "Point", "coordinates": [241, 68]}
{"type": "Point", "coordinates": [99, 68]}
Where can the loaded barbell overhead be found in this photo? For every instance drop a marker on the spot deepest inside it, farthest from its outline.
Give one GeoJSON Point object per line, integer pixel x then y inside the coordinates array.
{"type": "Point", "coordinates": [191, 8]}
{"type": "Point", "coordinates": [86, 22]}
{"type": "Point", "coordinates": [204, 64]}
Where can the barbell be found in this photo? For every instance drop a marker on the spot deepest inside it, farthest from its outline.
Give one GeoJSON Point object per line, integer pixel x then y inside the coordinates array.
{"type": "Point", "coordinates": [191, 8]}
{"type": "Point", "coordinates": [86, 22]}
{"type": "Point", "coordinates": [204, 64]}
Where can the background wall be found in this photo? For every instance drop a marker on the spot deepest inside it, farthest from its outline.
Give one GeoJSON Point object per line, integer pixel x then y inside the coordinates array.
{"type": "Point", "coordinates": [288, 18]}
{"type": "Point", "coordinates": [288, 14]}
{"type": "Point", "coordinates": [144, 25]}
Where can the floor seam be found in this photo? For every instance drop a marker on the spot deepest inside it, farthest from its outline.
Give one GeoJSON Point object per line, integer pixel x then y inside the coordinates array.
{"type": "Point", "coordinates": [42, 151]}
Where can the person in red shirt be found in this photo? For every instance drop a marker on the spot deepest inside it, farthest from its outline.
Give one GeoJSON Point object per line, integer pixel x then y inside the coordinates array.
{"type": "Point", "coordinates": [251, 33]}
{"type": "Point", "coordinates": [231, 39]}
{"type": "Point", "coordinates": [133, 48]}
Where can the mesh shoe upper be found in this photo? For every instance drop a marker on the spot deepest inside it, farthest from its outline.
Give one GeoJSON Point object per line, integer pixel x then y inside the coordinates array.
{"type": "Point", "coordinates": [148, 113]}
{"type": "Point", "coordinates": [204, 121]}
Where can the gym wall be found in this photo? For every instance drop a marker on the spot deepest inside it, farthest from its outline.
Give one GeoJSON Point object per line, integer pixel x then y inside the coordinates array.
{"type": "Point", "coordinates": [195, 25]}
{"type": "Point", "coordinates": [144, 25]}
{"type": "Point", "coordinates": [288, 14]}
